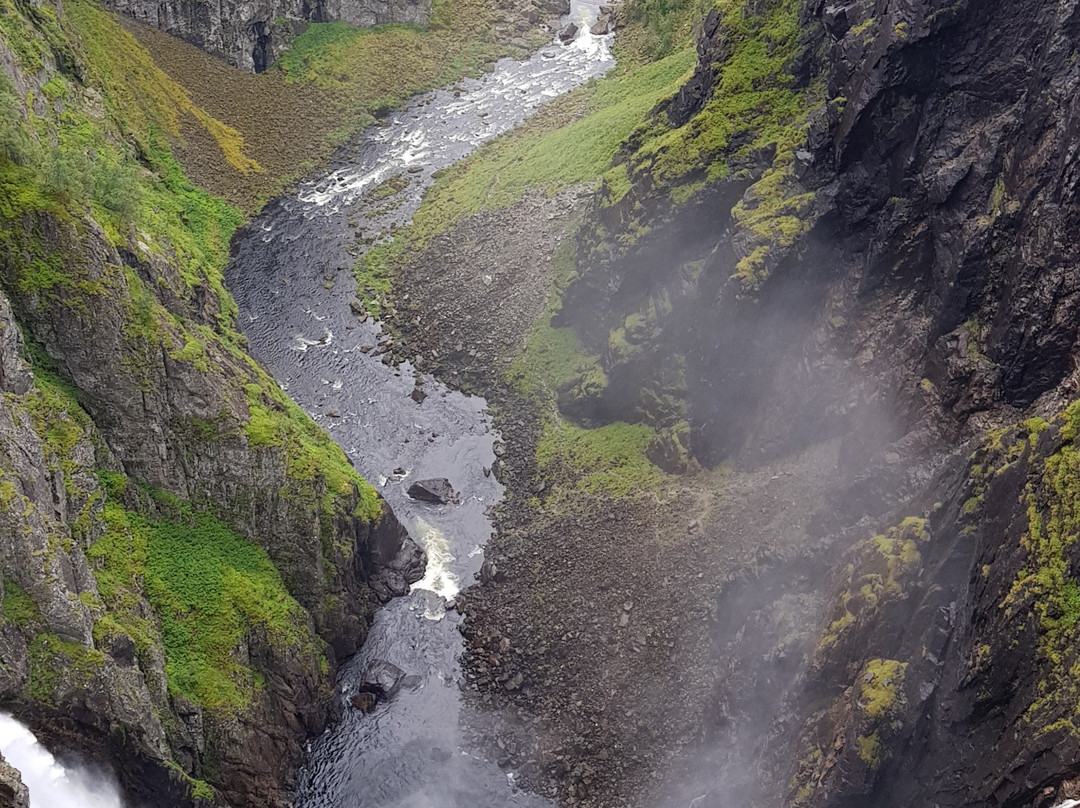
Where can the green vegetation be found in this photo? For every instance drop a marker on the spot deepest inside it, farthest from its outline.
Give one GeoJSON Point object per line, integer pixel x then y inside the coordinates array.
{"type": "Point", "coordinates": [754, 105]}
{"type": "Point", "coordinates": [660, 27]}
{"type": "Point", "coordinates": [606, 460]}
{"type": "Point", "coordinates": [879, 571]}
{"type": "Point", "coordinates": [880, 684]}
{"type": "Point", "coordinates": [311, 456]}
{"type": "Point", "coordinates": [54, 662]}
{"type": "Point", "coordinates": [18, 607]}
{"type": "Point", "coordinates": [140, 97]}
{"type": "Point", "coordinates": [364, 70]}
{"type": "Point", "coordinates": [571, 140]}
{"type": "Point", "coordinates": [208, 586]}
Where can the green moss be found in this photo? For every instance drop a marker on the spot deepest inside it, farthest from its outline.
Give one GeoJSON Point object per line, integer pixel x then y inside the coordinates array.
{"type": "Point", "coordinates": [210, 587]}
{"type": "Point", "coordinates": [880, 571]}
{"type": "Point", "coordinates": [55, 662]}
{"type": "Point", "coordinates": [869, 749]}
{"type": "Point", "coordinates": [193, 352]}
{"type": "Point", "coordinates": [311, 456]}
{"type": "Point", "coordinates": [880, 687]}
{"type": "Point", "coordinates": [609, 460]}
{"type": "Point", "coordinates": [18, 607]}
{"type": "Point", "coordinates": [863, 27]}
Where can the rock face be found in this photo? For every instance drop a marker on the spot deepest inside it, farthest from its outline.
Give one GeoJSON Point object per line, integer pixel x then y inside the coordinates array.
{"type": "Point", "coordinates": [13, 793]}
{"type": "Point", "coordinates": [895, 273]}
{"type": "Point", "coordinates": [251, 35]}
{"type": "Point", "coordinates": [185, 557]}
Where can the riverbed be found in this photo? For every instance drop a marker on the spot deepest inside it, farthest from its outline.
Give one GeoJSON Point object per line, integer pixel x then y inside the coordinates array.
{"type": "Point", "coordinates": [292, 280]}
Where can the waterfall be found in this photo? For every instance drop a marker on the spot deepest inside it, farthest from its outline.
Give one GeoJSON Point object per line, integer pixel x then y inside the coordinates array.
{"type": "Point", "coordinates": [52, 784]}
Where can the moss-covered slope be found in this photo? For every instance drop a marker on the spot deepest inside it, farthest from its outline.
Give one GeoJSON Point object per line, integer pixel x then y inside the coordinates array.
{"type": "Point", "coordinates": [185, 554]}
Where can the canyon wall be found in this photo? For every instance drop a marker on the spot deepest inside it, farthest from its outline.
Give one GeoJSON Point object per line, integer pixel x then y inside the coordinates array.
{"type": "Point", "coordinates": [854, 224]}
{"type": "Point", "coordinates": [185, 555]}
{"type": "Point", "coordinates": [251, 35]}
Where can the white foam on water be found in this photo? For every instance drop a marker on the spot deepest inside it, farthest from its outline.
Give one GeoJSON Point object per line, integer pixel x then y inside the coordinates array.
{"type": "Point", "coordinates": [425, 141]}
{"type": "Point", "coordinates": [438, 577]}
{"type": "Point", "coordinates": [52, 785]}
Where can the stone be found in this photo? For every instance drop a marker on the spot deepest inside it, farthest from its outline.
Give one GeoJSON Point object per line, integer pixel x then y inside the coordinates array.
{"type": "Point", "coordinates": [382, 678]}
{"type": "Point", "coordinates": [437, 491]}
{"type": "Point", "coordinates": [568, 33]}
{"type": "Point", "coordinates": [13, 792]}
{"type": "Point", "coordinates": [364, 702]}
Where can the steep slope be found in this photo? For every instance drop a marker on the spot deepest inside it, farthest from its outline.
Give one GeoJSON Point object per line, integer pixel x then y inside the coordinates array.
{"type": "Point", "coordinates": [833, 265]}
{"type": "Point", "coordinates": [853, 223]}
{"type": "Point", "coordinates": [251, 36]}
{"type": "Point", "coordinates": [185, 554]}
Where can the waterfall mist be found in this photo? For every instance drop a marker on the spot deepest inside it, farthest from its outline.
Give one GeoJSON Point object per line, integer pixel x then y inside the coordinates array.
{"type": "Point", "coordinates": [51, 783]}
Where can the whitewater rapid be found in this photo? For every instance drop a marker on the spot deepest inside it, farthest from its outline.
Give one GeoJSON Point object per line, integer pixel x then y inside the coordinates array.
{"type": "Point", "coordinates": [52, 784]}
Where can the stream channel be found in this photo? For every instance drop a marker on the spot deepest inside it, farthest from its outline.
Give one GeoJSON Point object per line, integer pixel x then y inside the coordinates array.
{"type": "Point", "coordinates": [291, 277]}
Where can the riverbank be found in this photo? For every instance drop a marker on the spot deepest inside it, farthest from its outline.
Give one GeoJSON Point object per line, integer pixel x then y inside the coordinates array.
{"type": "Point", "coordinates": [589, 656]}
{"type": "Point", "coordinates": [335, 81]}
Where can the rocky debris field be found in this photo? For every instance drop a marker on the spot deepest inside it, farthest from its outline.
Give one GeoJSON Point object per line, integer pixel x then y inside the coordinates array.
{"type": "Point", "coordinates": [589, 653]}
{"type": "Point", "coordinates": [469, 300]}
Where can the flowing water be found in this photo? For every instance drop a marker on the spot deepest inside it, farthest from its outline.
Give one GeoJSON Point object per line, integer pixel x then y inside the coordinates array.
{"type": "Point", "coordinates": [50, 783]}
{"type": "Point", "coordinates": [291, 278]}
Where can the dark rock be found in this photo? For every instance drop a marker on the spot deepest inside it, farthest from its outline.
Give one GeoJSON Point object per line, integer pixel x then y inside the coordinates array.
{"type": "Point", "coordinates": [252, 35]}
{"type": "Point", "coordinates": [382, 678]}
{"type": "Point", "coordinates": [364, 702]}
{"type": "Point", "coordinates": [394, 575]}
{"type": "Point", "coordinates": [418, 395]}
{"type": "Point", "coordinates": [605, 24]}
{"type": "Point", "coordinates": [438, 491]}
{"type": "Point", "coordinates": [568, 33]}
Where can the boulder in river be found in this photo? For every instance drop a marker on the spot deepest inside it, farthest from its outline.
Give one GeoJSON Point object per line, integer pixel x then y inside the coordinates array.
{"type": "Point", "coordinates": [604, 25]}
{"type": "Point", "coordinates": [382, 678]}
{"type": "Point", "coordinates": [364, 702]}
{"type": "Point", "coordinates": [438, 491]}
{"type": "Point", "coordinates": [392, 579]}
{"type": "Point", "coordinates": [568, 32]}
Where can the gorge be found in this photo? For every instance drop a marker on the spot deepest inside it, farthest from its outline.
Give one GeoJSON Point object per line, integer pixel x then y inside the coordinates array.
{"type": "Point", "coordinates": [745, 337]}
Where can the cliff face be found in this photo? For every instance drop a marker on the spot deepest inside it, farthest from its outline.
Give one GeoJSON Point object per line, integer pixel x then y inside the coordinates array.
{"type": "Point", "coordinates": [854, 224]}
{"type": "Point", "coordinates": [185, 555]}
{"type": "Point", "coordinates": [251, 35]}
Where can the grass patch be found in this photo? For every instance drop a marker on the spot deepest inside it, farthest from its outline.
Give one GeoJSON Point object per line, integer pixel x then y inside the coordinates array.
{"type": "Point", "coordinates": [571, 140]}
{"type": "Point", "coordinates": [311, 456]}
{"type": "Point", "coordinates": [368, 69]}
{"type": "Point", "coordinates": [568, 141]}
{"type": "Point", "coordinates": [209, 587]}
{"type": "Point", "coordinates": [607, 460]}
{"type": "Point", "coordinates": [19, 608]}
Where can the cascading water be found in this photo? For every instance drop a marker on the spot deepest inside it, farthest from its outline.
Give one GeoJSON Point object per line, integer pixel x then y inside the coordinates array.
{"type": "Point", "coordinates": [50, 783]}
{"type": "Point", "coordinates": [409, 752]}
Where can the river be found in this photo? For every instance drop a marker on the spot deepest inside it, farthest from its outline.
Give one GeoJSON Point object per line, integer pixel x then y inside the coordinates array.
{"type": "Point", "coordinates": [291, 277]}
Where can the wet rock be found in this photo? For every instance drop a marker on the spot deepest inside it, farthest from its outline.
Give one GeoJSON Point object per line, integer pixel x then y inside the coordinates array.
{"type": "Point", "coordinates": [605, 24]}
{"type": "Point", "coordinates": [382, 678]}
{"type": "Point", "coordinates": [418, 395]}
{"type": "Point", "coordinates": [13, 793]}
{"type": "Point", "coordinates": [364, 702]}
{"type": "Point", "coordinates": [568, 33]}
{"type": "Point", "coordinates": [394, 577]}
{"type": "Point", "coordinates": [438, 491]}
